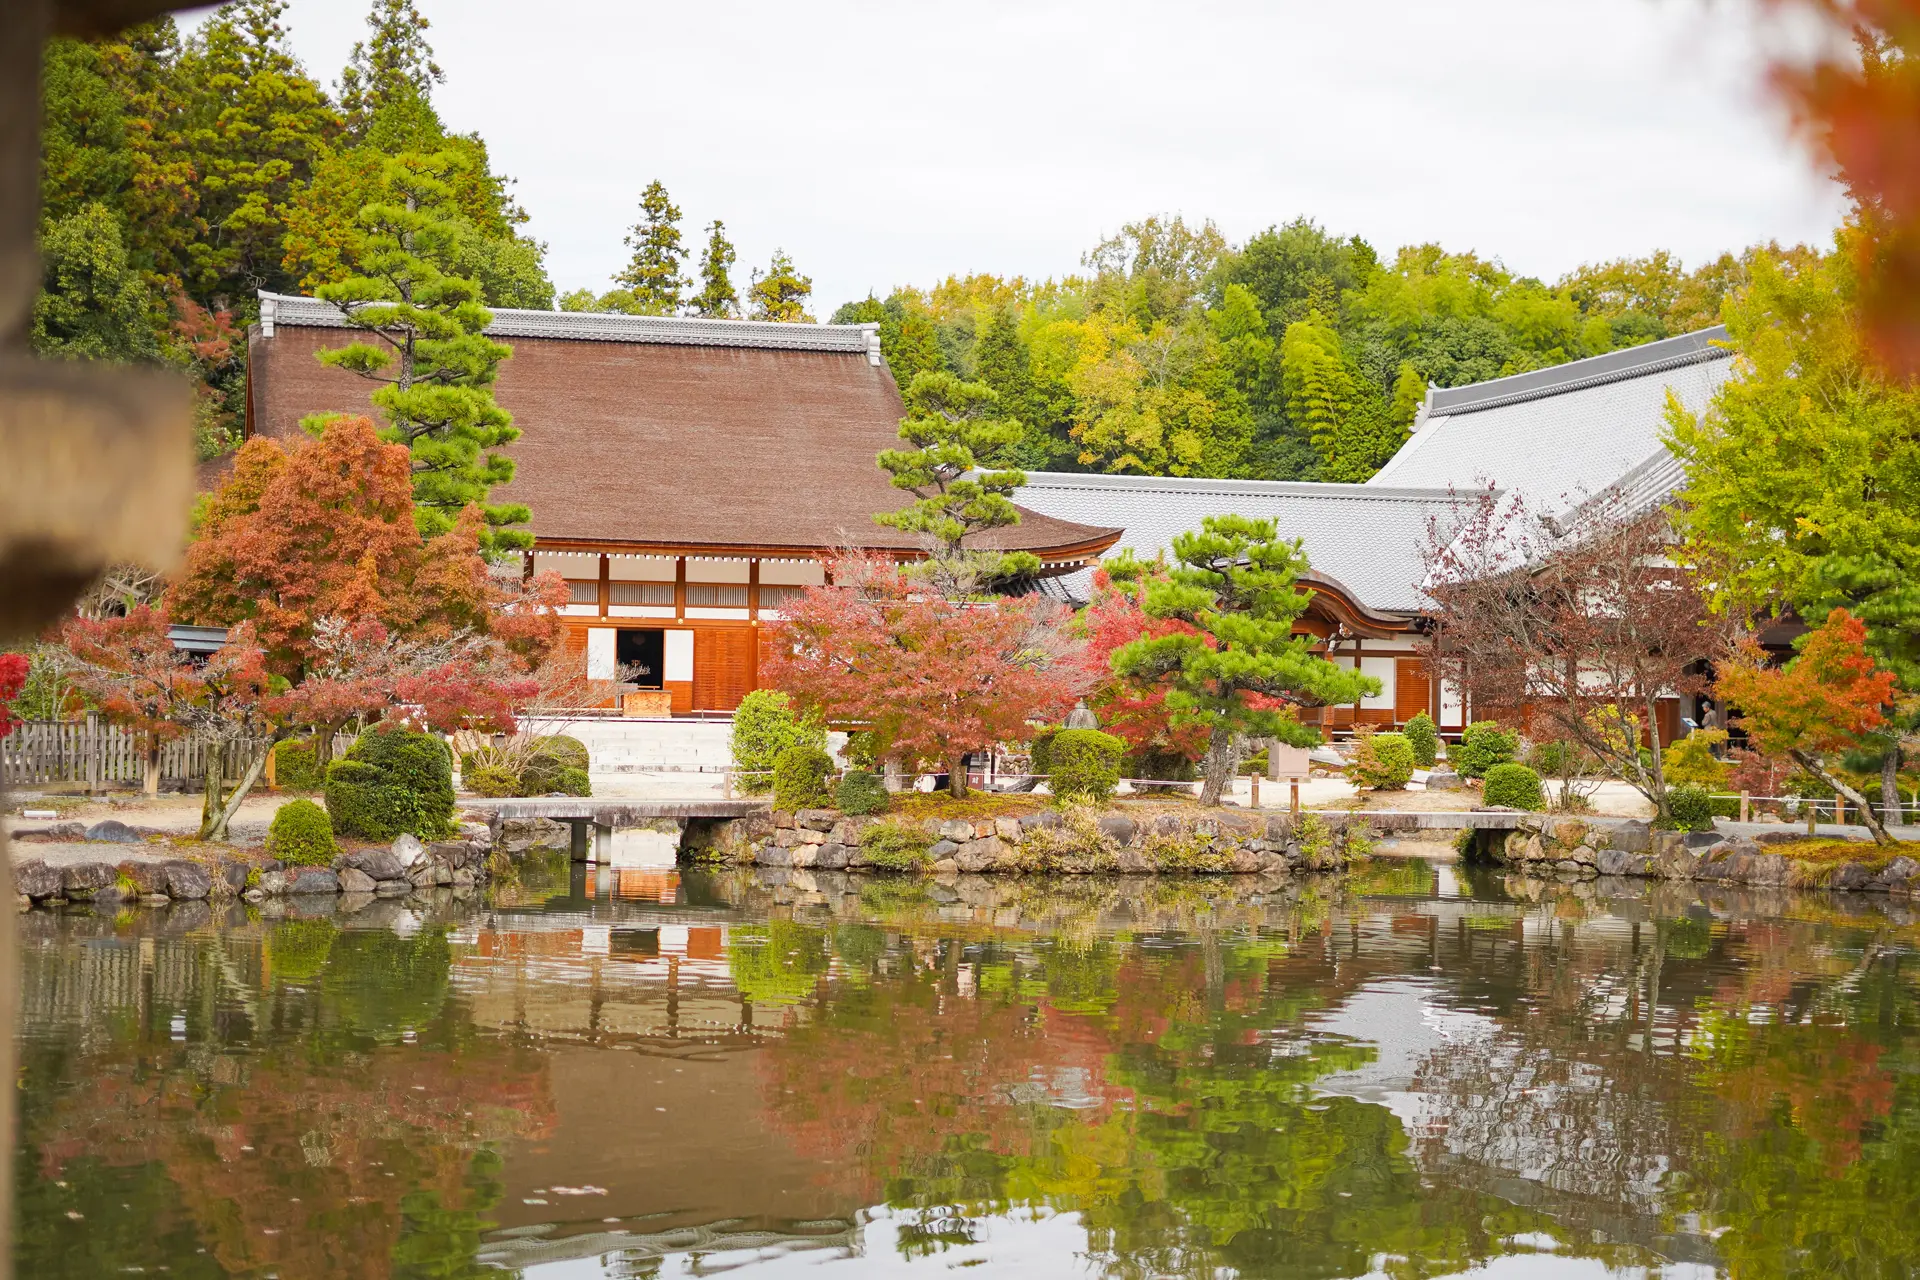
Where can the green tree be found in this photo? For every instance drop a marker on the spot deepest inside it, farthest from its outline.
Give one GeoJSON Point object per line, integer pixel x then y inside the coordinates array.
{"type": "Point", "coordinates": [435, 364]}
{"type": "Point", "coordinates": [1233, 583]}
{"type": "Point", "coordinates": [717, 299]}
{"type": "Point", "coordinates": [93, 305]}
{"type": "Point", "coordinates": [395, 62]}
{"type": "Point", "coordinates": [1803, 476]}
{"type": "Point", "coordinates": [652, 279]}
{"type": "Point", "coordinates": [1353, 428]}
{"type": "Point", "coordinates": [956, 432]}
{"type": "Point", "coordinates": [781, 294]}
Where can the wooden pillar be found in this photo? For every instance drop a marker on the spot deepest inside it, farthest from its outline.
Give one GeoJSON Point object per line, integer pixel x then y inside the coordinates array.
{"type": "Point", "coordinates": [680, 587]}
{"type": "Point", "coordinates": [606, 582]}
{"type": "Point", "coordinates": [1357, 671]}
{"type": "Point", "coordinates": [753, 590]}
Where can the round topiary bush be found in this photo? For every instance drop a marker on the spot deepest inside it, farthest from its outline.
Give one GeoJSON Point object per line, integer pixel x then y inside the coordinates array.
{"type": "Point", "coordinates": [1689, 809]}
{"type": "Point", "coordinates": [301, 835]}
{"type": "Point", "coordinates": [552, 757]}
{"type": "Point", "coordinates": [296, 766]}
{"type": "Point", "coordinates": [1514, 786]}
{"type": "Point", "coordinates": [1085, 765]}
{"type": "Point", "coordinates": [1483, 745]}
{"type": "Point", "coordinates": [1384, 761]}
{"type": "Point", "coordinates": [860, 792]}
{"type": "Point", "coordinates": [764, 725]}
{"type": "Point", "coordinates": [489, 780]}
{"type": "Point", "coordinates": [1424, 737]}
{"type": "Point", "coordinates": [571, 782]}
{"type": "Point", "coordinates": [392, 781]}
{"type": "Point", "coordinates": [800, 776]}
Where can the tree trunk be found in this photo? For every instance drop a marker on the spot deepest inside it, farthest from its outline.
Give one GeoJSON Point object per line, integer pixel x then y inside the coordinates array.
{"type": "Point", "coordinates": [957, 776]}
{"type": "Point", "coordinates": [150, 766]}
{"type": "Point", "coordinates": [1658, 780]}
{"type": "Point", "coordinates": [211, 793]}
{"type": "Point", "coordinates": [1223, 754]}
{"type": "Point", "coordinates": [240, 791]}
{"type": "Point", "coordinates": [1890, 785]}
{"type": "Point", "coordinates": [1813, 765]}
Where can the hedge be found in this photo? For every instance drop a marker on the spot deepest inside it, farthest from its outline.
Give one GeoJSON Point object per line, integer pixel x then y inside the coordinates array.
{"type": "Point", "coordinates": [392, 781]}
{"type": "Point", "coordinates": [1689, 809]}
{"type": "Point", "coordinates": [1424, 737]}
{"type": "Point", "coordinates": [301, 835]}
{"type": "Point", "coordinates": [1084, 764]}
{"type": "Point", "coordinates": [800, 776]}
{"type": "Point", "coordinates": [553, 766]}
{"type": "Point", "coordinates": [296, 765]}
{"type": "Point", "coordinates": [1514, 786]}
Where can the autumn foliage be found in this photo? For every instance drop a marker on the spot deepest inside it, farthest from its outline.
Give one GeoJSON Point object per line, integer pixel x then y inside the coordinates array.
{"type": "Point", "coordinates": [934, 678]}
{"type": "Point", "coordinates": [1135, 710]}
{"type": "Point", "coordinates": [1817, 705]}
{"type": "Point", "coordinates": [13, 678]}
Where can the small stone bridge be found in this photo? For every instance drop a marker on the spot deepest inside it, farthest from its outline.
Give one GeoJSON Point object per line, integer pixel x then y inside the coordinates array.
{"type": "Point", "coordinates": [604, 817]}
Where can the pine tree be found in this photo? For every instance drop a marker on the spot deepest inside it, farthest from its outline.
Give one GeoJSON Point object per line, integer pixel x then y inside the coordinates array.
{"type": "Point", "coordinates": [781, 294]}
{"type": "Point", "coordinates": [436, 366]}
{"type": "Point", "coordinates": [653, 278]}
{"type": "Point", "coordinates": [716, 299]}
{"type": "Point", "coordinates": [397, 59]}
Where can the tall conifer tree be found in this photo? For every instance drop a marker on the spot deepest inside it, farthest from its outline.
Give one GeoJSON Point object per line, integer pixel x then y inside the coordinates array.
{"type": "Point", "coordinates": [652, 279]}
{"type": "Point", "coordinates": [396, 59]}
{"type": "Point", "coordinates": [717, 299]}
{"type": "Point", "coordinates": [781, 294]}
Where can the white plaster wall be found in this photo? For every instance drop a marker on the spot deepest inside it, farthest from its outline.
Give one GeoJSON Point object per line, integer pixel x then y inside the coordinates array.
{"type": "Point", "coordinates": [640, 568]}
{"type": "Point", "coordinates": [1383, 670]}
{"type": "Point", "coordinates": [678, 655]}
{"type": "Point", "coordinates": [568, 564]}
{"type": "Point", "coordinates": [717, 570]}
{"type": "Point", "coordinates": [792, 573]}
{"type": "Point", "coordinates": [600, 653]}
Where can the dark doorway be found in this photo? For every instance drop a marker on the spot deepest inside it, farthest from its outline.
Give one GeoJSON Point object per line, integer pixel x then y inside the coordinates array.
{"type": "Point", "coordinates": [645, 652]}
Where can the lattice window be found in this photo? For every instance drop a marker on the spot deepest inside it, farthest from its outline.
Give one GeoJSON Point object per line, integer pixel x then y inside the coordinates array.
{"type": "Point", "coordinates": [713, 595]}
{"type": "Point", "coordinates": [582, 591]}
{"type": "Point", "coordinates": [642, 593]}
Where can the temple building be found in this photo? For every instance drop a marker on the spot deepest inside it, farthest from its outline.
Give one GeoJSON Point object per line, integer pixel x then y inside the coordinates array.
{"type": "Point", "coordinates": [685, 476]}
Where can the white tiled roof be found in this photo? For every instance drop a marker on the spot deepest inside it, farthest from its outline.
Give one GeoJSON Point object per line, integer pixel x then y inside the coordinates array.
{"type": "Point", "coordinates": [1367, 538]}
{"type": "Point", "coordinates": [596, 326]}
{"type": "Point", "coordinates": [1559, 436]}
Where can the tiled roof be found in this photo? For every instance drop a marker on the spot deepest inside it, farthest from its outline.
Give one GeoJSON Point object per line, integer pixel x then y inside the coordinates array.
{"type": "Point", "coordinates": [1366, 538]}
{"type": "Point", "coordinates": [1559, 436]}
{"type": "Point", "coordinates": [278, 309]}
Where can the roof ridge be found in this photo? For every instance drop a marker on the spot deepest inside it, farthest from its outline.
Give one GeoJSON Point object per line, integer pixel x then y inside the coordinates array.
{"type": "Point", "coordinates": [1642, 361]}
{"type": "Point", "coordinates": [1338, 490]}
{"type": "Point", "coordinates": [601, 326]}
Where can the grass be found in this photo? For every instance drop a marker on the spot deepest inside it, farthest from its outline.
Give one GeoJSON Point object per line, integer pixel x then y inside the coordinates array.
{"type": "Point", "coordinates": [977, 804]}
{"type": "Point", "coordinates": [1827, 852]}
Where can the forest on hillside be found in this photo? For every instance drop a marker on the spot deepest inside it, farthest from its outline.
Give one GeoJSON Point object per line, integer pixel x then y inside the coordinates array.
{"type": "Point", "coordinates": [182, 174]}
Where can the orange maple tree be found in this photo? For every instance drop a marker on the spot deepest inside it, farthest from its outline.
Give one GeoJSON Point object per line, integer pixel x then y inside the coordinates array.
{"type": "Point", "coordinates": [1818, 704]}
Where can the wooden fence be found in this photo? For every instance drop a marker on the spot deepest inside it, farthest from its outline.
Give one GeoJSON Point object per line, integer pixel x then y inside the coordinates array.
{"type": "Point", "coordinates": [42, 752]}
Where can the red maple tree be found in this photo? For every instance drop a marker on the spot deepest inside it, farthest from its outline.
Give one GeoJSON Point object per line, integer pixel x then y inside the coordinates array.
{"type": "Point", "coordinates": [128, 667]}
{"type": "Point", "coordinates": [13, 678]}
{"type": "Point", "coordinates": [1133, 709]}
{"type": "Point", "coordinates": [933, 678]}
{"type": "Point", "coordinates": [1815, 706]}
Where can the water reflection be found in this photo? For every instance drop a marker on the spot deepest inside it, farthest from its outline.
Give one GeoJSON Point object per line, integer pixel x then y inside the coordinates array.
{"type": "Point", "coordinates": [645, 1073]}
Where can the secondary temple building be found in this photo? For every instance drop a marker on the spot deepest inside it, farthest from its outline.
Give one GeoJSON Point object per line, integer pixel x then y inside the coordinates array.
{"type": "Point", "coordinates": [687, 476]}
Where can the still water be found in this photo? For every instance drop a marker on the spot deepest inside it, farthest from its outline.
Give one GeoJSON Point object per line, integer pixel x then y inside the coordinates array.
{"type": "Point", "coordinates": [1411, 1073]}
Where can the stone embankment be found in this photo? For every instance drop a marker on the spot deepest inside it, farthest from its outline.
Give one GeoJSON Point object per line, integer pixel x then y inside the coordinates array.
{"type": "Point", "coordinates": [68, 873]}
{"type": "Point", "coordinates": [1075, 841]}
{"type": "Point", "coordinates": [1548, 846]}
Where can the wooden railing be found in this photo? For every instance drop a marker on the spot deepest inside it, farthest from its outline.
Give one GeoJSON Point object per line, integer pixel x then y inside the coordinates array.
{"type": "Point", "coordinates": [51, 752]}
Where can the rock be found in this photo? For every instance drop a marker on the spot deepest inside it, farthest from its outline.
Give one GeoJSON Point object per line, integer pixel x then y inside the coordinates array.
{"type": "Point", "coordinates": [1900, 872]}
{"type": "Point", "coordinates": [846, 831]}
{"type": "Point", "coordinates": [310, 880]}
{"type": "Point", "coordinates": [979, 855]}
{"type": "Point", "coordinates": [81, 879]}
{"type": "Point", "coordinates": [1045, 820]}
{"type": "Point", "coordinates": [782, 819]}
{"type": "Point", "coordinates": [809, 835]}
{"type": "Point", "coordinates": [254, 896]}
{"type": "Point", "coordinates": [234, 875]}
{"type": "Point", "coordinates": [1132, 862]}
{"type": "Point", "coordinates": [943, 850]}
{"type": "Point", "coordinates": [1850, 876]}
{"type": "Point", "coordinates": [1615, 862]}
{"type": "Point", "coordinates": [452, 852]}
{"type": "Point", "coordinates": [805, 855]}
{"type": "Point", "coordinates": [956, 830]}
{"type": "Point", "coordinates": [36, 879]}
{"type": "Point", "coordinates": [1245, 861]}
{"type": "Point", "coordinates": [477, 832]}
{"type": "Point", "coordinates": [377, 864]}
{"type": "Point", "coordinates": [816, 819]}
{"type": "Point", "coordinates": [1569, 832]}
{"type": "Point", "coordinates": [1445, 780]}
{"type": "Point", "coordinates": [112, 832]}
{"type": "Point", "coordinates": [355, 881]}
{"type": "Point", "coordinates": [1631, 837]}
{"type": "Point", "coordinates": [832, 856]}
{"type": "Point", "coordinates": [1280, 828]}
{"type": "Point", "coordinates": [785, 838]}
{"type": "Point", "coordinates": [442, 874]}
{"type": "Point", "coordinates": [775, 855]}
{"type": "Point", "coordinates": [147, 877]}
{"type": "Point", "coordinates": [188, 881]}
{"type": "Point", "coordinates": [66, 831]}
{"type": "Point", "coordinates": [1582, 854]}
{"type": "Point", "coordinates": [1007, 829]}
{"type": "Point", "coordinates": [1699, 841]}
{"type": "Point", "coordinates": [271, 864]}
{"type": "Point", "coordinates": [272, 883]}
{"type": "Point", "coordinates": [945, 867]}
{"type": "Point", "coordinates": [1118, 828]}
{"type": "Point", "coordinates": [408, 849]}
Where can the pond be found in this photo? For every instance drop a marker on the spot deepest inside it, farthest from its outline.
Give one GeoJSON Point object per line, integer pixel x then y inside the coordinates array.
{"type": "Point", "coordinates": [1410, 1072]}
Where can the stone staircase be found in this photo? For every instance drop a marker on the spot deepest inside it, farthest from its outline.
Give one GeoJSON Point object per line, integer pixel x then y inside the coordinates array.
{"type": "Point", "coordinates": [642, 746]}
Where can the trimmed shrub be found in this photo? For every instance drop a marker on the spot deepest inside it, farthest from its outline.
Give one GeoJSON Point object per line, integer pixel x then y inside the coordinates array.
{"type": "Point", "coordinates": [552, 758]}
{"type": "Point", "coordinates": [301, 835]}
{"type": "Point", "coordinates": [1085, 764]}
{"type": "Point", "coordinates": [296, 766]}
{"type": "Point", "coordinates": [1483, 745]}
{"type": "Point", "coordinates": [392, 781]}
{"type": "Point", "coordinates": [1166, 766]}
{"type": "Point", "coordinates": [1041, 750]}
{"type": "Point", "coordinates": [764, 726]}
{"type": "Point", "coordinates": [861, 792]}
{"type": "Point", "coordinates": [1690, 762]}
{"type": "Point", "coordinates": [1514, 786]}
{"type": "Point", "coordinates": [800, 776]}
{"type": "Point", "coordinates": [489, 780]}
{"type": "Point", "coordinates": [1424, 737]}
{"type": "Point", "coordinates": [1384, 761]}
{"type": "Point", "coordinates": [1253, 764]}
{"type": "Point", "coordinates": [1560, 760]}
{"type": "Point", "coordinates": [1689, 809]}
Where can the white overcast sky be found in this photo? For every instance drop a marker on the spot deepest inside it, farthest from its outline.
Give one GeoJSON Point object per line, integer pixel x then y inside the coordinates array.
{"type": "Point", "coordinates": [886, 142]}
